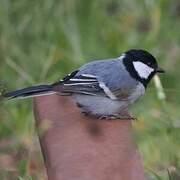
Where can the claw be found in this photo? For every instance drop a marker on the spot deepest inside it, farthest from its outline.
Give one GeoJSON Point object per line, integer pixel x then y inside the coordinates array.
{"type": "Point", "coordinates": [116, 117]}
{"type": "Point", "coordinates": [85, 113]}
{"type": "Point", "coordinates": [103, 117]}
{"type": "Point", "coordinates": [110, 117]}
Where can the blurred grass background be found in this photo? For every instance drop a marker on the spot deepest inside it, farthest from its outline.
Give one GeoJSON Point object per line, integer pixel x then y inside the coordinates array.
{"type": "Point", "coordinates": [42, 40]}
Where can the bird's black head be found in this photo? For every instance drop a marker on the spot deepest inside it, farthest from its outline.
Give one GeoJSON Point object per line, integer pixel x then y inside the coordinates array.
{"type": "Point", "coordinates": [141, 65]}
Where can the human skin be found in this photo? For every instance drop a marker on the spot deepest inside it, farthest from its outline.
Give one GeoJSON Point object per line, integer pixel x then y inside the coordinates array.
{"type": "Point", "coordinates": [77, 147]}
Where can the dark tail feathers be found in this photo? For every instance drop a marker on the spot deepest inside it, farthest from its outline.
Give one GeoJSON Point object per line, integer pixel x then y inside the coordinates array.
{"type": "Point", "coordinates": [29, 92]}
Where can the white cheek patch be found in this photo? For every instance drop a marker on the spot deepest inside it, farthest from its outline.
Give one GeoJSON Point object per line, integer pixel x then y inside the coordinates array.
{"type": "Point", "coordinates": [142, 69]}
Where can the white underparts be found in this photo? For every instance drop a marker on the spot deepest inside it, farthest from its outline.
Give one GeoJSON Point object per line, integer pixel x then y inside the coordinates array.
{"type": "Point", "coordinates": [107, 91]}
{"type": "Point", "coordinates": [142, 69]}
{"type": "Point", "coordinates": [137, 93]}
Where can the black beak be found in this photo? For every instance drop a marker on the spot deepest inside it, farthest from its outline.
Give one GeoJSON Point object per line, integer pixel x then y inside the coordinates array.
{"type": "Point", "coordinates": [160, 70]}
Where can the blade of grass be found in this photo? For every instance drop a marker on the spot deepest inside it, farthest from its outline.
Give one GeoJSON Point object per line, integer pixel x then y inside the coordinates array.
{"type": "Point", "coordinates": [160, 91]}
{"type": "Point", "coordinates": [19, 70]}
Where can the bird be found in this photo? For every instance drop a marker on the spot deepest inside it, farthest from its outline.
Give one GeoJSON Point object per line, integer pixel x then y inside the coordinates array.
{"type": "Point", "coordinates": [105, 88]}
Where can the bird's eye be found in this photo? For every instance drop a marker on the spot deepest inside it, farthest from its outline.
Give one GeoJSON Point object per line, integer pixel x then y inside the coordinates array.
{"type": "Point", "coordinates": [149, 64]}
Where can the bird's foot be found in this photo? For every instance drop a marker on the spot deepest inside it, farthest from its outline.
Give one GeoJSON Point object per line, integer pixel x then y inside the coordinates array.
{"type": "Point", "coordinates": [116, 117]}
{"type": "Point", "coordinates": [110, 117]}
{"type": "Point", "coordinates": [85, 113]}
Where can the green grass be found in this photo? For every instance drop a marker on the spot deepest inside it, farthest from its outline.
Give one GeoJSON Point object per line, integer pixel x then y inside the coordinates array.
{"type": "Point", "coordinates": [42, 40]}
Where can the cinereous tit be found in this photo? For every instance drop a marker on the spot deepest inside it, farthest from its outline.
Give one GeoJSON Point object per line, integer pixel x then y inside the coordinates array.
{"type": "Point", "coordinates": [103, 88]}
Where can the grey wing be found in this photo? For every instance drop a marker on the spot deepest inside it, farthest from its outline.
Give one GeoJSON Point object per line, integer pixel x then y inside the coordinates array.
{"type": "Point", "coordinates": [92, 85]}
{"type": "Point", "coordinates": [82, 84]}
